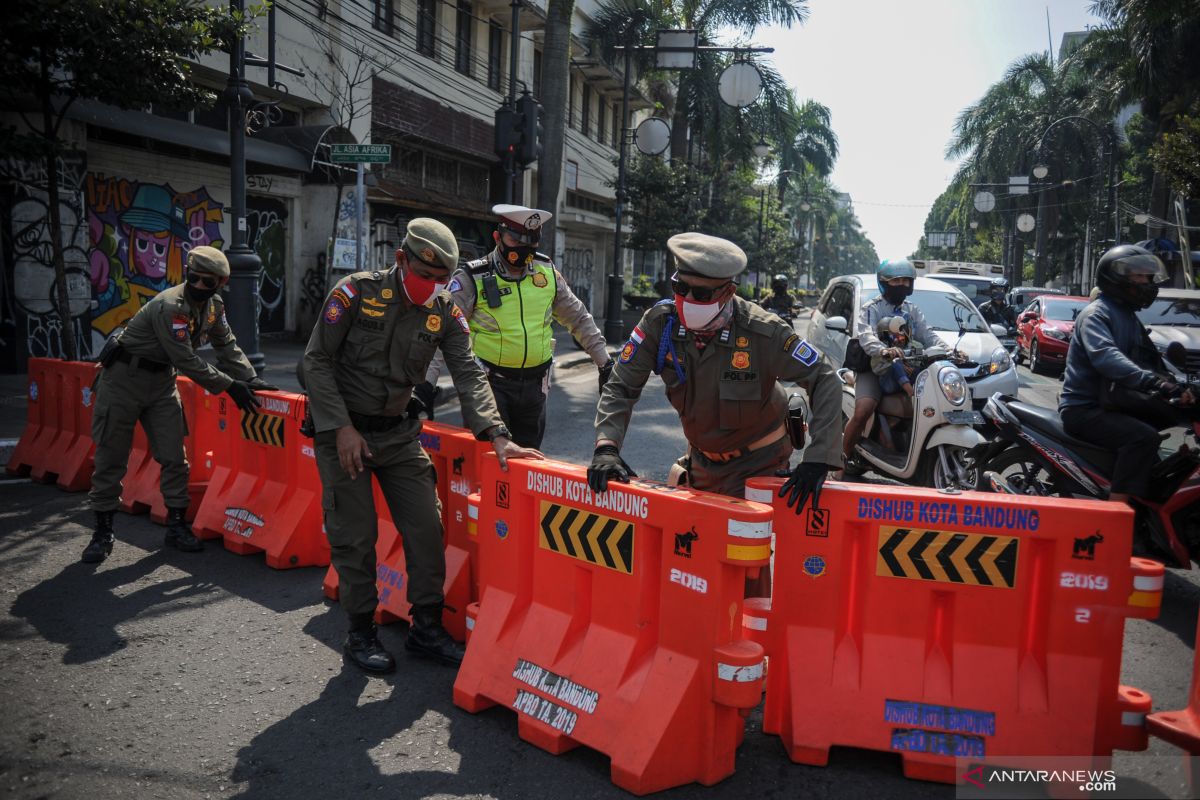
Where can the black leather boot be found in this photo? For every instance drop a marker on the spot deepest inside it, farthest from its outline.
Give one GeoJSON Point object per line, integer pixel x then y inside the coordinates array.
{"type": "Point", "coordinates": [102, 539]}
{"type": "Point", "coordinates": [363, 648]}
{"type": "Point", "coordinates": [179, 533]}
{"type": "Point", "coordinates": [427, 637]}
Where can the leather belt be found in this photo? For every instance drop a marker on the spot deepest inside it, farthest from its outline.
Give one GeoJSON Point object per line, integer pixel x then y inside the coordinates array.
{"type": "Point", "coordinates": [367, 423]}
{"type": "Point", "coordinates": [137, 362]}
{"type": "Point", "coordinates": [766, 441]}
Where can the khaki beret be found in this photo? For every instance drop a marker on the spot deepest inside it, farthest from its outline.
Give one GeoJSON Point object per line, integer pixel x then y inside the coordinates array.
{"type": "Point", "coordinates": [432, 242]}
{"type": "Point", "coordinates": [208, 259]}
{"type": "Point", "coordinates": [709, 256]}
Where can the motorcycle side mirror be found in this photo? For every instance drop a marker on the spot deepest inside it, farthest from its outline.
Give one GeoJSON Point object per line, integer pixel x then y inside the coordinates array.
{"type": "Point", "coordinates": [999, 331]}
{"type": "Point", "coordinates": [1177, 355]}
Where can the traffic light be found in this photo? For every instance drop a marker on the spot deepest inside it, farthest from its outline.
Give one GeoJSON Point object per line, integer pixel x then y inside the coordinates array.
{"type": "Point", "coordinates": [529, 114]}
{"type": "Point", "coordinates": [508, 131]}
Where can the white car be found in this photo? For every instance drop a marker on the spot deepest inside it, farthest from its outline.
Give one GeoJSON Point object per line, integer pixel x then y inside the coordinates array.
{"type": "Point", "coordinates": [1175, 317]}
{"type": "Point", "coordinates": [946, 310]}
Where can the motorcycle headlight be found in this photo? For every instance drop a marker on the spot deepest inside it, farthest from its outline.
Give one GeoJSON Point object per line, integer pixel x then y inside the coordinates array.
{"type": "Point", "coordinates": [954, 385]}
{"type": "Point", "coordinates": [1000, 362]}
{"type": "Point", "coordinates": [1056, 333]}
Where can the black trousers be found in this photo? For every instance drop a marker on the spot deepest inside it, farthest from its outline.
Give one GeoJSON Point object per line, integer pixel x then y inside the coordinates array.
{"type": "Point", "coordinates": [522, 406]}
{"type": "Point", "coordinates": [1135, 442]}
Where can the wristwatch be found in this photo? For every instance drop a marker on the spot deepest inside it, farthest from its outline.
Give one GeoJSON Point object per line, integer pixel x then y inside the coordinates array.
{"type": "Point", "coordinates": [497, 431]}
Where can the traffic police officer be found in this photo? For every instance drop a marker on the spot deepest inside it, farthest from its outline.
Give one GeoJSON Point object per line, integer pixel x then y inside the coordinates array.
{"type": "Point", "coordinates": [721, 358]}
{"type": "Point", "coordinates": [373, 343]}
{"type": "Point", "coordinates": [510, 297]}
{"type": "Point", "coordinates": [137, 383]}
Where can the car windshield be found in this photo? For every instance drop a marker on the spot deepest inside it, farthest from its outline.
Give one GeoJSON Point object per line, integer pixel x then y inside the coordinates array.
{"type": "Point", "coordinates": [977, 291]}
{"type": "Point", "coordinates": [1183, 312]}
{"type": "Point", "coordinates": [941, 309]}
{"type": "Point", "coordinates": [1064, 310]}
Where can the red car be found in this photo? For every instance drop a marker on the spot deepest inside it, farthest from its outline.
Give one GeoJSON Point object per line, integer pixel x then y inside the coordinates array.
{"type": "Point", "coordinates": [1044, 331]}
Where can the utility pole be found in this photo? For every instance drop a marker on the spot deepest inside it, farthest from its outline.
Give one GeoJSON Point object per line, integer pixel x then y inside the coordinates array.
{"type": "Point", "coordinates": [514, 48]}
{"type": "Point", "coordinates": [245, 267]}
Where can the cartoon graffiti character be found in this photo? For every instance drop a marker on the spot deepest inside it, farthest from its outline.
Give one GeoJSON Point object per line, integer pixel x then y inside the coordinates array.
{"type": "Point", "coordinates": [156, 230]}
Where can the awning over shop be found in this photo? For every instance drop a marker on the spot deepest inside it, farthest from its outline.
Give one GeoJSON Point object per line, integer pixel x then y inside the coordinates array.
{"type": "Point", "coordinates": [286, 149]}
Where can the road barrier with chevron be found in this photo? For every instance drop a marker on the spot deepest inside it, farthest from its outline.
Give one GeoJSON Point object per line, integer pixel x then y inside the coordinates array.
{"type": "Point", "coordinates": [613, 620]}
{"type": "Point", "coordinates": [943, 626]}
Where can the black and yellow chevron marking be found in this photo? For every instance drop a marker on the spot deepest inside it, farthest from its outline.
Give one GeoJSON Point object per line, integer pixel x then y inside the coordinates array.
{"type": "Point", "coordinates": [263, 428]}
{"type": "Point", "coordinates": [975, 559]}
{"type": "Point", "coordinates": [589, 537]}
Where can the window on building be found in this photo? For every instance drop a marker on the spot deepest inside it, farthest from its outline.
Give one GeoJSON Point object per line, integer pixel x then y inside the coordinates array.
{"type": "Point", "coordinates": [601, 107]}
{"type": "Point", "coordinates": [585, 110]}
{"type": "Point", "coordinates": [462, 38]}
{"type": "Point", "coordinates": [616, 126]}
{"type": "Point", "coordinates": [570, 101]}
{"type": "Point", "coordinates": [441, 174]}
{"type": "Point", "coordinates": [495, 55]}
{"type": "Point", "coordinates": [383, 20]}
{"type": "Point", "coordinates": [426, 26]}
{"type": "Point", "coordinates": [537, 74]}
{"type": "Point", "coordinates": [571, 175]}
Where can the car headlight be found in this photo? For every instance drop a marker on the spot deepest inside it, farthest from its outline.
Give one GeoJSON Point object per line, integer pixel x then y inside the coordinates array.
{"type": "Point", "coordinates": [954, 385]}
{"type": "Point", "coordinates": [1056, 333]}
{"type": "Point", "coordinates": [999, 362]}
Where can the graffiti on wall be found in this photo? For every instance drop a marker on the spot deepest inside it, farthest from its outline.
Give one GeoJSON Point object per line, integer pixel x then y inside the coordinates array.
{"type": "Point", "coordinates": [577, 266]}
{"type": "Point", "coordinates": [266, 224]}
{"type": "Point", "coordinates": [30, 325]}
{"type": "Point", "coordinates": [139, 235]}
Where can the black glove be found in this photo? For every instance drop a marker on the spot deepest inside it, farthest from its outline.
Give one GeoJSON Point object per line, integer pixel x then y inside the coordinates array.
{"type": "Point", "coordinates": [423, 400]}
{"type": "Point", "coordinates": [243, 396]}
{"type": "Point", "coordinates": [259, 385]}
{"type": "Point", "coordinates": [605, 373]}
{"type": "Point", "coordinates": [806, 479]}
{"type": "Point", "coordinates": [1161, 386]}
{"type": "Point", "coordinates": [607, 463]}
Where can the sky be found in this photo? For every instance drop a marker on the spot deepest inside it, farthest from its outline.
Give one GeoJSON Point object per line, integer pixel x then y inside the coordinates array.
{"type": "Point", "coordinates": [895, 74]}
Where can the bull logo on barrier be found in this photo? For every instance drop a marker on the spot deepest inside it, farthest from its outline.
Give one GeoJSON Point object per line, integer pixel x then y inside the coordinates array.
{"type": "Point", "coordinates": [458, 464]}
{"type": "Point", "coordinates": [1086, 548]}
{"type": "Point", "coordinates": [683, 542]}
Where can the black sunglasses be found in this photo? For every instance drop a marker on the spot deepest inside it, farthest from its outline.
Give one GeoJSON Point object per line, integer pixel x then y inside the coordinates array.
{"type": "Point", "coordinates": [207, 281]}
{"type": "Point", "coordinates": [702, 294]}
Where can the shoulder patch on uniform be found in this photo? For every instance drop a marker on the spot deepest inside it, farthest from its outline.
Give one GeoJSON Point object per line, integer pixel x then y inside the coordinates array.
{"type": "Point", "coordinates": [455, 285]}
{"type": "Point", "coordinates": [461, 318]}
{"type": "Point", "coordinates": [789, 342]}
{"type": "Point", "coordinates": [334, 310]}
{"type": "Point", "coordinates": [479, 266]}
{"type": "Point", "coordinates": [805, 353]}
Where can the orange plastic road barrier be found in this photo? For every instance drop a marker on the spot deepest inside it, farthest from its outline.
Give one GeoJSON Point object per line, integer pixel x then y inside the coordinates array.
{"type": "Point", "coordinates": [56, 445]}
{"type": "Point", "coordinates": [1182, 728]}
{"type": "Point", "coordinates": [937, 625]}
{"type": "Point", "coordinates": [614, 620]}
{"type": "Point", "coordinates": [264, 493]}
{"type": "Point", "coordinates": [455, 454]}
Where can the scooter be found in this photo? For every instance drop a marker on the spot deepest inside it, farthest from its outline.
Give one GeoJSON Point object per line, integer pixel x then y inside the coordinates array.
{"type": "Point", "coordinates": [1031, 454]}
{"type": "Point", "coordinates": [932, 447]}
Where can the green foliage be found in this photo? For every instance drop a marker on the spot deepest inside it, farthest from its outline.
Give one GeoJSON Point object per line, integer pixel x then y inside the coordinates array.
{"type": "Point", "coordinates": [642, 286]}
{"type": "Point", "coordinates": [1177, 156]}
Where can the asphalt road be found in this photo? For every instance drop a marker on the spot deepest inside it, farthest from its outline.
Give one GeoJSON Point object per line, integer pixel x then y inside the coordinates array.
{"type": "Point", "coordinates": [161, 674]}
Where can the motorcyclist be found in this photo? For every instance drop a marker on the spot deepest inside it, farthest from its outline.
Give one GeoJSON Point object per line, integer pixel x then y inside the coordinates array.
{"type": "Point", "coordinates": [895, 280]}
{"type": "Point", "coordinates": [1110, 351]}
{"type": "Point", "coordinates": [997, 310]}
{"type": "Point", "coordinates": [780, 300]}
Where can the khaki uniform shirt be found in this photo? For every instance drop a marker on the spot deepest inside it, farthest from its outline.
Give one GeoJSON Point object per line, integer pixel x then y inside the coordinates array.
{"type": "Point", "coordinates": [371, 346]}
{"type": "Point", "coordinates": [567, 308]}
{"type": "Point", "coordinates": [170, 328]}
{"type": "Point", "coordinates": [731, 396]}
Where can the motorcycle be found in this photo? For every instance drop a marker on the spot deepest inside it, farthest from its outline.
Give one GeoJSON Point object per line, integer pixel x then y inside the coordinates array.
{"type": "Point", "coordinates": [1031, 454]}
{"type": "Point", "coordinates": [932, 447]}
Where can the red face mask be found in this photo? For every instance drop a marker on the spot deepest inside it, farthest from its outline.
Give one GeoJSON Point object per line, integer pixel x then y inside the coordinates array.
{"type": "Point", "coordinates": [420, 290]}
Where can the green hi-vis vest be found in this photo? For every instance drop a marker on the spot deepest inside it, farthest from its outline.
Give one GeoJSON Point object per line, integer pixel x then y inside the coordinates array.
{"type": "Point", "coordinates": [517, 334]}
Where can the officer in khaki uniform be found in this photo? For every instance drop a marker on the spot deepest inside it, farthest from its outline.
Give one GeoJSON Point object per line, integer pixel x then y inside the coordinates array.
{"type": "Point", "coordinates": [137, 383]}
{"type": "Point", "coordinates": [510, 297]}
{"type": "Point", "coordinates": [720, 358]}
{"type": "Point", "coordinates": [374, 341]}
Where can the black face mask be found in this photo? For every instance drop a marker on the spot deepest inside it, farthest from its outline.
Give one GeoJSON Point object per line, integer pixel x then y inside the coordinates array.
{"type": "Point", "coordinates": [896, 294]}
{"type": "Point", "coordinates": [198, 294]}
{"type": "Point", "coordinates": [517, 257]}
